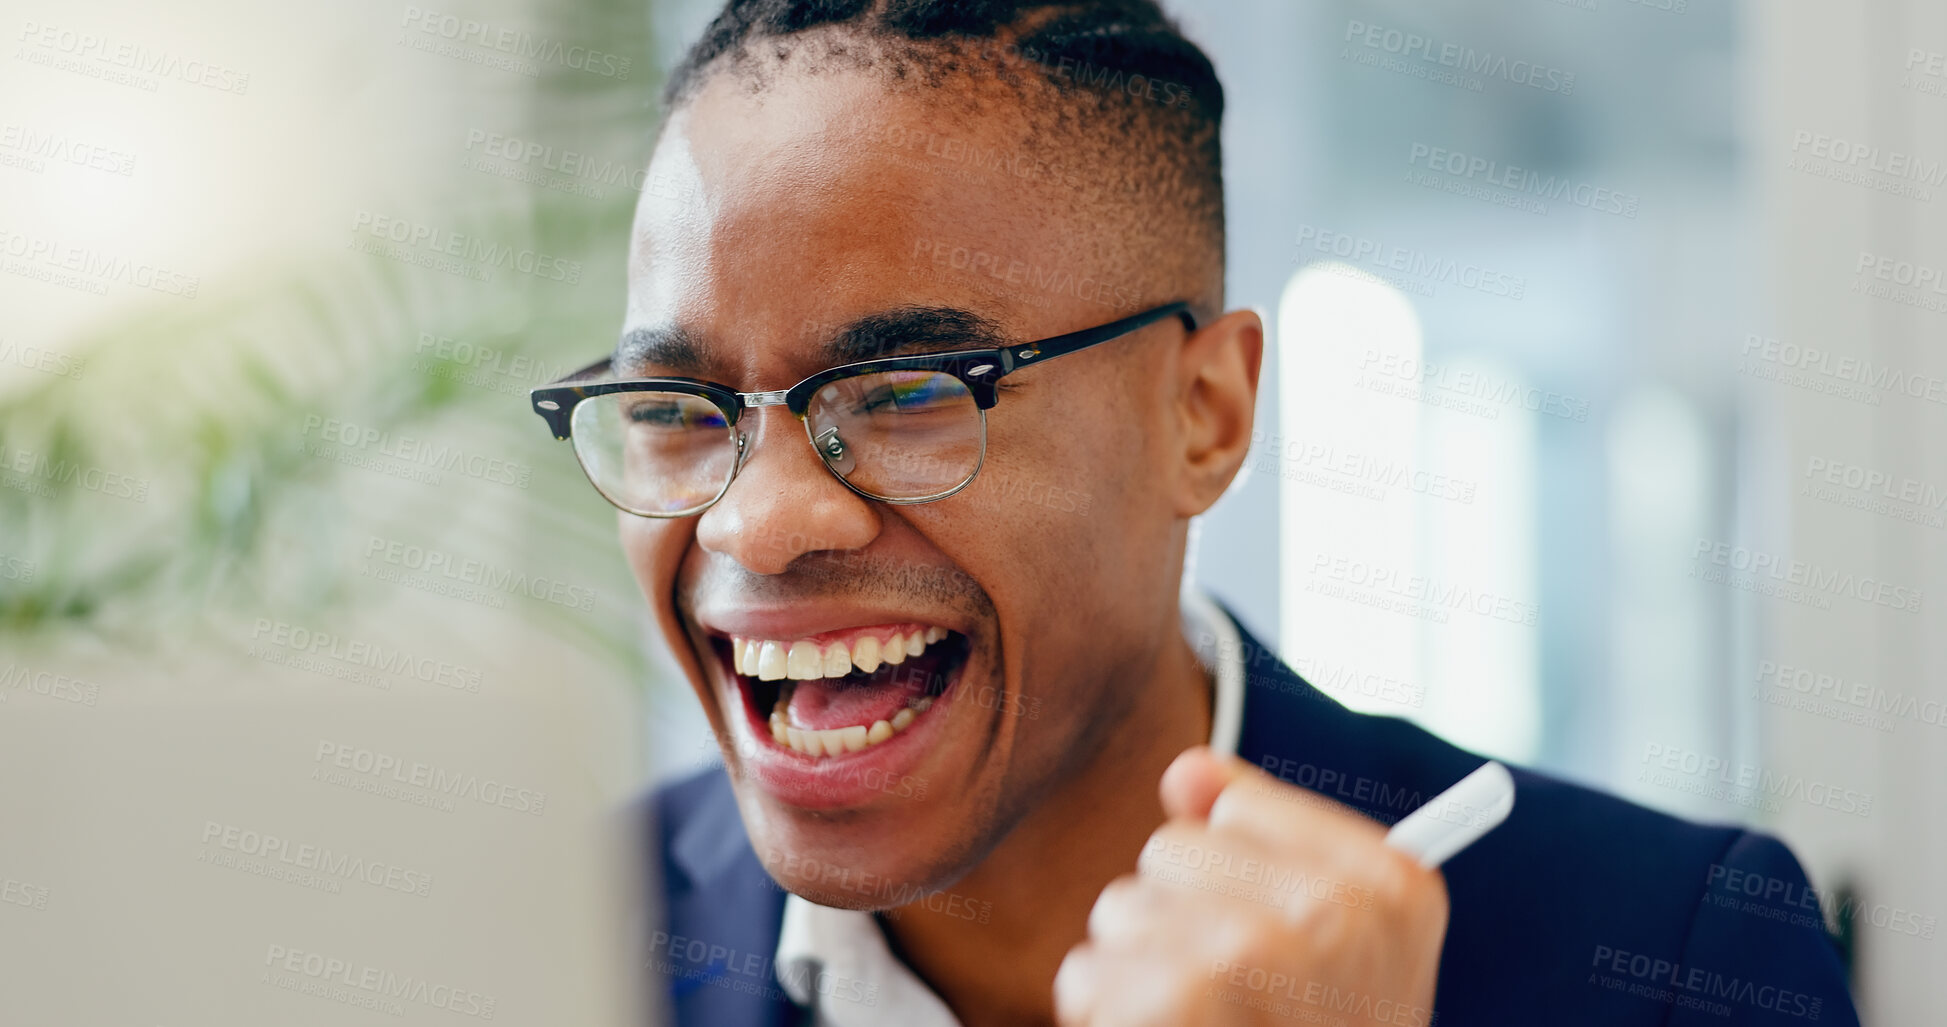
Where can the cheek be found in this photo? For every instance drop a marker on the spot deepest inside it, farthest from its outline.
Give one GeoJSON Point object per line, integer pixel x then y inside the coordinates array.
{"type": "Point", "coordinates": [1068, 486]}
{"type": "Point", "coordinates": [1091, 490]}
{"type": "Point", "coordinates": [654, 550]}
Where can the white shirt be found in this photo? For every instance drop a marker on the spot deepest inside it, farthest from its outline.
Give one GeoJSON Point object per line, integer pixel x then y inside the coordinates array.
{"type": "Point", "coordinates": [819, 943]}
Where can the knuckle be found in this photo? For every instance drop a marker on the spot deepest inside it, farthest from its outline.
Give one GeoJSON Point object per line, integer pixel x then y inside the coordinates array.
{"type": "Point", "coordinates": [1157, 842]}
{"type": "Point", "coordinates": [1120, 903]}
{"type": "Point", "coordinates": [1222, 810]}
{"type": "Point", "coordinates": [1176, 843]}
{"type": "Point", "coordinates": [1303, 912]}
{"type": "Point", "coordinates": [1246, 796]}
{"type": "Point", "coordinates": [1125, 892]}
{"type": "Point", "coordinates": [1396, 880]}
{"type": "Point", "coordinates": [1168, 833]}
{"type": "Point", "coordinates": [1181, 999]}
{"type": "Point", "coordinates": [1253, 941]}
{"type": "Point", "coordinates": [1409, 894]}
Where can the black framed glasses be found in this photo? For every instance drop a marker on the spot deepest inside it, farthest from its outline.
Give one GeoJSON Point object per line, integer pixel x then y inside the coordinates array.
{"type": "Point", "coordinates": [906, 429]}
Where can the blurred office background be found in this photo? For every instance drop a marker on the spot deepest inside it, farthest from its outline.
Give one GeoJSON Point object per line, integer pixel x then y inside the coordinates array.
{"type": "Point", "coordinates": [1604, 429]}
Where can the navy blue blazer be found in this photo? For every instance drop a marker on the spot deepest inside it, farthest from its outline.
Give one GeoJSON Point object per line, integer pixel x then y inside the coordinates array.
{"type": "Point", "coordinates": [1581, 909]}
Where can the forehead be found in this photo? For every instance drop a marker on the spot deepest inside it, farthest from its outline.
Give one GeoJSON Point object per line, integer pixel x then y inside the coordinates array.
{"type": "Point", "coordinates": [771, 217]}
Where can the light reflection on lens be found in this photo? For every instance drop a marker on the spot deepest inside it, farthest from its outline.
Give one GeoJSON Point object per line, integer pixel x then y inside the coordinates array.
{"type": "Point", "coordinates": [901, 434]}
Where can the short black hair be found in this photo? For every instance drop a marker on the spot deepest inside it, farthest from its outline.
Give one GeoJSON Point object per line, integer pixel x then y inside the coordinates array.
{"type": "Point", "coordinates": [1117, 75]}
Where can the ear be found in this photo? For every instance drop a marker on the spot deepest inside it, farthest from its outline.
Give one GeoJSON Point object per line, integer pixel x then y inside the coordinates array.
{"type": "Point", "coordinates": [1216, 404]}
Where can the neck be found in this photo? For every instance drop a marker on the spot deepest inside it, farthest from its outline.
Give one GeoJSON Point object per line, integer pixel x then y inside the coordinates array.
{"type": "Point", "coordinates": [1036, 888]}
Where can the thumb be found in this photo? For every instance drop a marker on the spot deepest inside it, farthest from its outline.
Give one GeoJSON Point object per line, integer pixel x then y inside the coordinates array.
{"type": "Point", "coordinates": [1194, 780]}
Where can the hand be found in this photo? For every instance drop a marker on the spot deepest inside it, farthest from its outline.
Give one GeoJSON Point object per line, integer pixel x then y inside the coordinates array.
{"type": "Point", "coordinates": [1258, 902]}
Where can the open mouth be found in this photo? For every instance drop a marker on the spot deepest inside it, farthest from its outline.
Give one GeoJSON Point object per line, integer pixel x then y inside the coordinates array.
{"type": "Point", "coordinates": [842, 692]}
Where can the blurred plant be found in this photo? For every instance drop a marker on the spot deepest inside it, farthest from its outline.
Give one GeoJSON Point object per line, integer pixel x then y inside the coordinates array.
{"type": "Point", "coordinates": [198, 411]}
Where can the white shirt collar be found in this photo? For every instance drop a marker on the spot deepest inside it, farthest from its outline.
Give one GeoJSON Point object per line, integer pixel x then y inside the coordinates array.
{"type": "Point", "coordinates": [819, 944]}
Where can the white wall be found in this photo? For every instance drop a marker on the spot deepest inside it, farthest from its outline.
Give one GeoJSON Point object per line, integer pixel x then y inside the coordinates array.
{"type": "Point", "coordinates": [1839, 70]}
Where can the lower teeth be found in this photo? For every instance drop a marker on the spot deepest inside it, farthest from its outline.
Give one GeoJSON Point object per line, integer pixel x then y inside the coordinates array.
{"type": "Point", "coordinates": [833, 741]}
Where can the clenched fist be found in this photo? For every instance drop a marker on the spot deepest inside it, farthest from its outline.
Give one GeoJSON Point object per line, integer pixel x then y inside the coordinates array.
{"type": "Point", "coordinates": [1257, 903]}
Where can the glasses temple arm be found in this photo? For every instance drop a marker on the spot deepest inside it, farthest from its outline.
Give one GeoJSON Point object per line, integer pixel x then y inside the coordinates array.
{"type": "Point", "coordinates": [1037, 352]}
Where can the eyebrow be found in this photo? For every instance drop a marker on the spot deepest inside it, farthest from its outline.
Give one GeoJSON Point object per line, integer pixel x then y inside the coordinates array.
{"type": "Point", "coordinates": [896, 332]}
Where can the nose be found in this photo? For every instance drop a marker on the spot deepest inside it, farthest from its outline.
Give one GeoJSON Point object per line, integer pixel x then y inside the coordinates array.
{"type": "Point", "coordinates": [784, 503]}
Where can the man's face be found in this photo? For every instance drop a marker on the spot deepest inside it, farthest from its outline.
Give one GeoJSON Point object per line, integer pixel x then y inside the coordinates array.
{"type": "Point", "coordinates": [1039, 593]}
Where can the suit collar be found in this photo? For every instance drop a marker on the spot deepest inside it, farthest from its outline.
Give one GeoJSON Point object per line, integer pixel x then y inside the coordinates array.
{"type": "Point", "coordinates": [711, 841]}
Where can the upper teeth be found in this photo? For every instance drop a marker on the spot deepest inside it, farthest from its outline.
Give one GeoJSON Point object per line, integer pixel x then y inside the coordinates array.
{"type": "Point", "coordinates": [804, 659]}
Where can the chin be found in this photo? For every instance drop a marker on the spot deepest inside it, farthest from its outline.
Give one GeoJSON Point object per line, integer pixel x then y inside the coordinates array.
{"type": "Point", "coordinates": [834, 867]}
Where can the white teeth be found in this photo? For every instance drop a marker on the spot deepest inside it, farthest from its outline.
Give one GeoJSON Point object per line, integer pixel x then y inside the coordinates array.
{"type": "Point", "coordinates": [770, 661]}
{"type": "Point", "coordinates": [838, 740]}
{"type": "Point", "coordinates": [865, 654]}
{"type": "Point", "coordinates": [806, 660]}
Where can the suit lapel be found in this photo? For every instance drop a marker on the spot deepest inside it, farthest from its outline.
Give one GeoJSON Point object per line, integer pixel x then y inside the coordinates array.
{"type": "Point", "coordinates": [1381, 766]}
{"type": "Point", "coordinates": [724, 914]}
